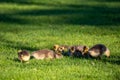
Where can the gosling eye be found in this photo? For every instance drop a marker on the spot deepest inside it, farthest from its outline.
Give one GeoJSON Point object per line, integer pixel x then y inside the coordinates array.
{"type": "Point", "coordinates": [72, 49]}
{"type": "Point", "coordinates": [54, 47]}
{"type": "Point", "coordinates": [60, 49]}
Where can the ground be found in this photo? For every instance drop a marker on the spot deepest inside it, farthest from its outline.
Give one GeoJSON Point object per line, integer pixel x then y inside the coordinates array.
{"type": "Point", "coordinates": [35, 24]}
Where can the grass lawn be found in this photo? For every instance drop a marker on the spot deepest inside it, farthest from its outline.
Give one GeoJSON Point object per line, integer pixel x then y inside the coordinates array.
{"type": "Point", "coordinates": [39, 24]}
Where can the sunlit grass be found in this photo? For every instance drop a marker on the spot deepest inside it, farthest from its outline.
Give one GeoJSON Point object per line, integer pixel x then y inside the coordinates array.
{"type": "Point", "coordinates": [34, 25]}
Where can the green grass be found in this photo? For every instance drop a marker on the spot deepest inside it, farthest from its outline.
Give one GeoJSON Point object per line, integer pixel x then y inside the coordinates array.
{"type": "Point", "coordinates": [35, 24]}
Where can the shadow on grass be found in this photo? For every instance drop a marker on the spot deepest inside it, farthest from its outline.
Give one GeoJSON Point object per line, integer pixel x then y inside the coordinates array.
{"type": "Point", "coordinates": [41, 2]}
{"type": "Point", "coordinates": [20, 45]}
{"type": "Point", "coordinates": [16, 60]}
{"type": "Point", "coordinates": [73, 14]}
{"type": "Point", "coordinates": [107, 0]}
{"type": "Point", "coordinates": [16, 45]}
{"type": "Point", "coordinates": [28, 2]}
{"type": "Point", "coordinates": [113, 59]}
{"type": "Point", "coordinates": [8, 18]}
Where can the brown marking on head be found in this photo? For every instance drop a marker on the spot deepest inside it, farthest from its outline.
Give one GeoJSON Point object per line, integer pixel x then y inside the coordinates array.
{"type": "Point", "coordinates": [60, 49]}
{"type": "Point", "coordinates": [85, 49]}
{"type": "Point", "coordinates": [72, 49]}
{"type": "Point", "coordinates": [55, 47]}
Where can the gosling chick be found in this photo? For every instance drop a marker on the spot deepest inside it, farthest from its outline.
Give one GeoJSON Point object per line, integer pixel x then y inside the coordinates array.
{"type": "Point", "coordinates": [78, 51]}
{"type": "Point", "coordinates": [98, 50]}
{"type": "Point", "coordinates": [23, 55]}
{"type": "Point", "coordinates": [61, 49]}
